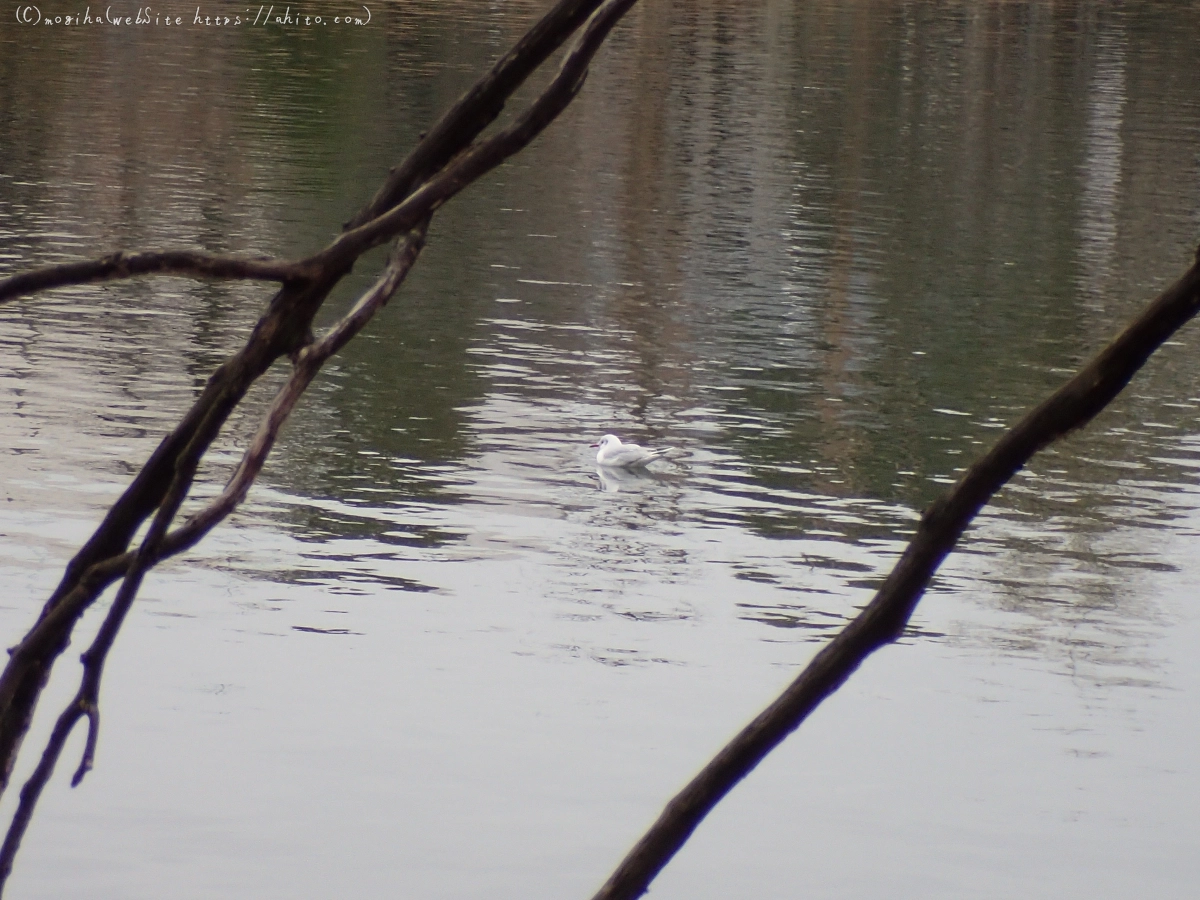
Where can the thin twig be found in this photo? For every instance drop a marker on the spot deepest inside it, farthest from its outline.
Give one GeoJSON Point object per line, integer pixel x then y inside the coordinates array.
{"type": "Point", "coordinates": [32, 789]}
{"type": "Point", "coordinates": [87, 699]}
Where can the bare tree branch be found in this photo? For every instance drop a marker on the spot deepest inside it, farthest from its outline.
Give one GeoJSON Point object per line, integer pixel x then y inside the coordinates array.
{"type": "Point", "coordinates": [165, 480]}
{"type": "Point", "coordinates": [120, 265]}
{"type": "Point", "coordinates": [158, 544]}
{"type": "Point", "coordinates": [447, 159]}
{"type": "Point", "coordinates": [479, 106]}
{"type": "Point", "coordinates": [87, 700]}
{"type": "Point", "coordinates": [884, 619]}
{"type": "Point", "coordinates": [482, 157]}
{"type": "Point", "coordinates": [308, 362]}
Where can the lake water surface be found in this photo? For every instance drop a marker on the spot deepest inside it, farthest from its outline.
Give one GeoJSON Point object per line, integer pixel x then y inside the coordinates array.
{"type": "Point", "coordinates": [829, 251]}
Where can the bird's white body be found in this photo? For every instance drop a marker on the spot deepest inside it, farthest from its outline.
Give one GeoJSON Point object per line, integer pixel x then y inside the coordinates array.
{"type": "Point", "coordinates": [615, 455]}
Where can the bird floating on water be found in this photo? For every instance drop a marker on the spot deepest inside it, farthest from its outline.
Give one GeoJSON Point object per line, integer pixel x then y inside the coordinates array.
{"type": "Point", "coordinates": [614, 454]}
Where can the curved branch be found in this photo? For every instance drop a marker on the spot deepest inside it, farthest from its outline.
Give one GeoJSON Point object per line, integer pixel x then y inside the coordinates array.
{"type": "Point", "coordinates": [121, 265]}
{"type": "Point", "coordinates": [884, 619]}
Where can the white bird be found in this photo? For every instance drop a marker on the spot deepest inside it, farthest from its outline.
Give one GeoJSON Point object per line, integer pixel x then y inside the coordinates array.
{"type": "Point", "coordinates": [614, 454]}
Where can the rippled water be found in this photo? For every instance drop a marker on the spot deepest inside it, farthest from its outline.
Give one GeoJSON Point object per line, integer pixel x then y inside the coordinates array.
{"type": "Point", "coordinates": [828, 251]}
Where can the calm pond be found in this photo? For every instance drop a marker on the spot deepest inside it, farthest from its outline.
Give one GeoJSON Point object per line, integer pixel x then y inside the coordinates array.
{"type": "Point", "coordinates": [827, 250]}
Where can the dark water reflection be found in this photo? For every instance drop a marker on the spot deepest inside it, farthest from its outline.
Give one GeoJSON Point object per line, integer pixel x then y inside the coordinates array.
{"type": "Point", "coordinates": [829, 251]}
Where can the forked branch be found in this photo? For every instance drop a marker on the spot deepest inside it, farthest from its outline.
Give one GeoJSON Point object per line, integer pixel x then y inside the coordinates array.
{"type": "Point", "coordinates": [158, 544]}
{"type": "Point", "coordinates": [443, 164]}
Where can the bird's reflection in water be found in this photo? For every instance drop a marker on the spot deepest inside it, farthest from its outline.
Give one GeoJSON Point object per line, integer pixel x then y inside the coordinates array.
{"type": "Point", "coordinates": [616, 479]}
